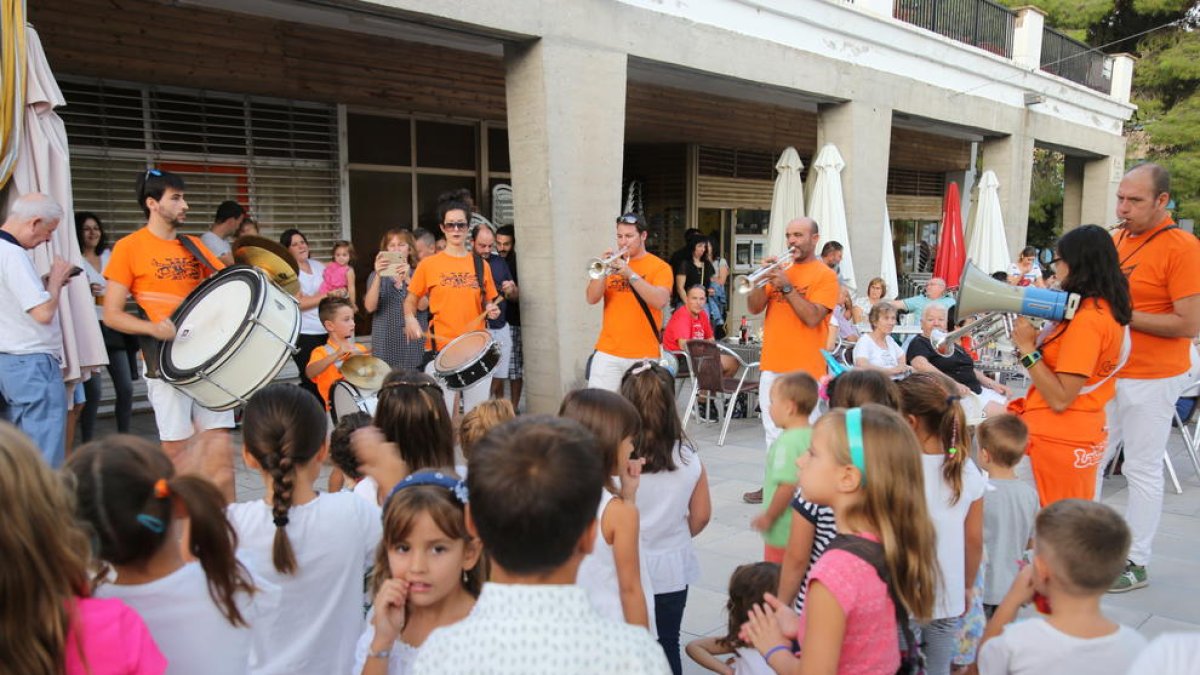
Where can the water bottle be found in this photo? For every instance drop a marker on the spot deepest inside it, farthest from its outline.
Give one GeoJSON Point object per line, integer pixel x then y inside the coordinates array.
{"type": "Point", "coordinates": [744, 337]}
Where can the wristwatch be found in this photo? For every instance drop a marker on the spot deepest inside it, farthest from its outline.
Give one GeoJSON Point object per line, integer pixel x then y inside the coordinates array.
{"type": "Point", "coordinates": [381, 654]}
{"type": "Point", "coordinates": [1030, 359]}
{"type": "Point", "coordinates": [634, 276]}
{"type": "Point", "coordinates": [786, 290]}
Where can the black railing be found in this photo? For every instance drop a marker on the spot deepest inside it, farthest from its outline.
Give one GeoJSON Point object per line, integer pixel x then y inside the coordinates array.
{"type": "Point", "coordinates": [1075, 61]}
{"type": "Point", "coordinates": [982, 23]}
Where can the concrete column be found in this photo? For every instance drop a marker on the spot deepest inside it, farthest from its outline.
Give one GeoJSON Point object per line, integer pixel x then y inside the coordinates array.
{"type": "Point", "coordinates": [1098, 196]}
{"type": "Point", "coordinates": [566, 134]}
{"type": "Point", "coordinates": [1072, 192]}
{"type": "Point", "coordinates": [1122, 76]}
{"type": "Point", "coordinates": [1011, 158]}
{"type": "Point", "coordinates": [1027, 37]}
{"type": "Point", "coordinates": [862, 132]}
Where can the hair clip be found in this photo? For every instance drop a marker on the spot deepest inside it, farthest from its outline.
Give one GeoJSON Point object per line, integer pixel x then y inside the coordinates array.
{"type": "Point", "coordinates": [281, 521]}
{"type": "Point", "coordinates": [854, 436]}
{"type": "Point", "coordinates": [414, 385]}
{"type": "Point", "coordinates": [456, 486]}
{"type": "Point", "coordinates": [641, 367]}
{"type": "Point", "coordinates": [952, 398]}
{"type": "Point", "coordinates": [161, 489]}
{"type": "Point", "coordinates": [951, 450]}
{"type": "Point", "coordinates": [152, 523]}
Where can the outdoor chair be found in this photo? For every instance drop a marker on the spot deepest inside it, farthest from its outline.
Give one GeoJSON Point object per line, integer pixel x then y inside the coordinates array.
{"type": "Point", "coordinates": [683, 368]}
{"type": "Point", "coordinates": [1191, 437]}
{"type": "Point", "coordinates": [705, 356]}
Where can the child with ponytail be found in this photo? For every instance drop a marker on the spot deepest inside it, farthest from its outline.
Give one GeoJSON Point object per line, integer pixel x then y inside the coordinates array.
{"type": "Point", "coordinates": [50, 625]}
{"type": "Point", "coordinates": [128, 495]}
{"type": "Point", "coordinates": [315, 547]}
{"type": "Point", "coordinates": [865, 464]}
{"type": "Point", "coordinates": [954, 489]}
{"type": "Point", "coordinates": [428, 571]}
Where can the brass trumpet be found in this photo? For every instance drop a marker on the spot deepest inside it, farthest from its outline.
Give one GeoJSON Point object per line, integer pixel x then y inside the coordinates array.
{"type": "Point", "coordinates": [1119, 226]}
{"type": "Point", "coordinates": [758, 278]}
{"type": "Point", "coordinates": [984, 330]}
{"type": "Point", "coordinates": [598, 268]}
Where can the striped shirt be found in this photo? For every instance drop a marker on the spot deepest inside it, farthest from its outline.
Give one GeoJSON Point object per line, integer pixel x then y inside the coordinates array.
{"type": "Point", "coordinates": [823, 521]}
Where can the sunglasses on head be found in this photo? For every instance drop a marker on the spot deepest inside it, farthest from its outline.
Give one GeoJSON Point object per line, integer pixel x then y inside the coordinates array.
{"type": "Point", "coordinates": [627, 219]}
{"type": "Point", "coordinates": [153, 172]}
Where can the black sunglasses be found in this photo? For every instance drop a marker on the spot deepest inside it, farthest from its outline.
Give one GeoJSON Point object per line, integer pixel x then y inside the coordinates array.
{"type": "Point", "coordinates": [628, 219]}
{"type": "Point", "coordinates": [456, 225]}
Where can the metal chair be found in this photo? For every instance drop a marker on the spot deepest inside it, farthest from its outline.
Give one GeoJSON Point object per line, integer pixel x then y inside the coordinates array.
{"type": "Point", "coordinates": [1191, 437]}
{"type": "Point", "coordinates": [683, 368]}
{"type": "Point", "coordinates": [705, 358]}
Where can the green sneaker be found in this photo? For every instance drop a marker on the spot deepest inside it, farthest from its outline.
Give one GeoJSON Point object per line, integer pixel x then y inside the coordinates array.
{"type": "Point", "coordinates": [1133, 577]}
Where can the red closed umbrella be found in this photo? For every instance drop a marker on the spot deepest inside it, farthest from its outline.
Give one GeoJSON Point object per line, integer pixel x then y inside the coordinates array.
{"type": "Point", "coordinates": [951, 250]}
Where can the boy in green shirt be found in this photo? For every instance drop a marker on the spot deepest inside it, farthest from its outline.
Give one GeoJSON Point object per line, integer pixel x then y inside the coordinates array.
{"type": "Point", "coordinates": [793, 398]}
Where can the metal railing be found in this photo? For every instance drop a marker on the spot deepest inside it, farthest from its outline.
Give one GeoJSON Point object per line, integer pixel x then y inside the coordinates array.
{"type": "Point", "coordinates": [1075, 60]}
{"type": "Point", "coordinates": [981, 23]}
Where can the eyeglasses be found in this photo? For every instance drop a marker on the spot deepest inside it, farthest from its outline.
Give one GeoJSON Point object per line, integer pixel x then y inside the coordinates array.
{"type": "Point", "coordinates": [628, 219]}
{"type": "Point", "coordinates": [1055, 261]}
{"type": "Point", "coordinates": [456, 225]}
{"type": "Point", "coordinates": [153, 172]}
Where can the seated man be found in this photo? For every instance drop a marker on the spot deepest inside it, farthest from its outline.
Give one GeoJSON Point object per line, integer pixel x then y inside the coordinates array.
{"type": "Point", "coordinates": [981, 395]}
{"type": "Point", "coordinates": [690, 322]}
{"type": "Point", "coordinates": [935, 294]}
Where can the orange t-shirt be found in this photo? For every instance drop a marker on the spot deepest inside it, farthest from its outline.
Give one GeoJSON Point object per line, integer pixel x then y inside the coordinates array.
{"type": "Point", "coordinates": [1160, 271]}
{"type": "Point", "coordinates": [453, 291]}
{"type": "Point", "coordinates": [625, 333]}
{"type": "Point", "coordinates": [1089, 345]}
{"type": "Point", "coordinates": [332, 373]}
{"type": "Point", "coordinates": [788, 343]}
{"type": "Point", "coordinates": [158, 272]}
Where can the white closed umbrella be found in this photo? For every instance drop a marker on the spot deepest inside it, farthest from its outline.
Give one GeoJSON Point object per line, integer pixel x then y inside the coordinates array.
{"type": "Point", "coordinates": [988, 246]}
{"type": "Point", "coordinates": [887, 265]}
{"type": "Point", "coordinates": [787, 201]}
{"type": "Point", "coordinates": [827, 206]}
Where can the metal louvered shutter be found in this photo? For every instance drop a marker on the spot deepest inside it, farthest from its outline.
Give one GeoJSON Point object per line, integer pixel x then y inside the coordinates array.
{"type": "Point", "coordinates": [277, 158]}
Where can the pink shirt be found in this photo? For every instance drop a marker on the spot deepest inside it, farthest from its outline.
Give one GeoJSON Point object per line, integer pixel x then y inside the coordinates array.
{"type": "Point", "coordinates": [683, 327]}
{"type": "Point", "coordinates": [114, 639]}
{"type": "Point", "coordinates": [334, 277]}
{"type": "Point", "coordinates": [871, 643]}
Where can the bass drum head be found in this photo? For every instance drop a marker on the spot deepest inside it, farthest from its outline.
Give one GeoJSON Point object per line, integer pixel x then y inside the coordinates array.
{"type": "Point", "coordinates": [345, 399]}
{"type": "Point", "coordinates": [209, 320]}
{"type": "Point", "coordinates": [462, 351]}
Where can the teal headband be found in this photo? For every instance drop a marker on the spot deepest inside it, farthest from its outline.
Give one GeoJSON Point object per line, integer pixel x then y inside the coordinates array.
{"type": "Point", "coordinates": [855, 437]}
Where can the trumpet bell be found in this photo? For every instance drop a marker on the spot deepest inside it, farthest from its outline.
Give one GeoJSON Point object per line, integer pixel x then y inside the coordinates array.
{"type": "Point", "coordinates": [597, 269]}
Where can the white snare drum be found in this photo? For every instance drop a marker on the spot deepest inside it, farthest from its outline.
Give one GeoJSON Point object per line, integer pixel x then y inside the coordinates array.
{"type": "Point", "coordinates": [233, 334]}
{"type": "Point", "coordinates": [345, 398]}
{"type": "Point", "coordinates": [467, 359]}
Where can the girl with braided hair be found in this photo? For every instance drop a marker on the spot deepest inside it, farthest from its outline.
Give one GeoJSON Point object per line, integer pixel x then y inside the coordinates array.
{"type": "Point", "coordinates": [316, 547]}
{"type": "Point", "coordinates": [129, 497]}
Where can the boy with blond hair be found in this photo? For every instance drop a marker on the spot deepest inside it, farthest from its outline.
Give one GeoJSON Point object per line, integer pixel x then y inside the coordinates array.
{"type": "Point", "coordinates": [1009, 505]}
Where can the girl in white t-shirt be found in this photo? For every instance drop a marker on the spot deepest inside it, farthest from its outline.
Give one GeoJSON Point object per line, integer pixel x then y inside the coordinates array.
{"type": "Point", "coordinates": [614, 574]}
{"type": "Point", "coordinates": [954, 489]}
{"type": "Point", "coordinates": [747, 587]}
{"type": "Point", "coordinates": [674, 504]}
{"type": "Point", "coordinates": [129, 495]}
{"type": "Point", "coordinates": [315, 547]}
{"type": "Point", "coordinates": [427, 571]}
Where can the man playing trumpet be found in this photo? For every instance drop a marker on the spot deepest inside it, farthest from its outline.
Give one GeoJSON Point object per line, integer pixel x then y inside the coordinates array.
{"type": "Point", "coordinates": [797, 300]}
{"type": "Point", "coordinates": [630, 330]}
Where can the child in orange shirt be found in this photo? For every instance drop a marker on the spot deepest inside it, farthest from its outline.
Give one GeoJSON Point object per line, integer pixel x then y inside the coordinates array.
{"type": "Point", "coordinates": [324, 365]}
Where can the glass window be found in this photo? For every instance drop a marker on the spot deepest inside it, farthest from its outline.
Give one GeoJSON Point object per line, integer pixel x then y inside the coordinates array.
{"type": "Point", "coordinates": [379, 140]}
{"type": "Point", "coordinates": [429, 188]}
{"type": "Point", "coordinates": [498, 151]}
{"type": "Point", "coordinates": [442, 145]}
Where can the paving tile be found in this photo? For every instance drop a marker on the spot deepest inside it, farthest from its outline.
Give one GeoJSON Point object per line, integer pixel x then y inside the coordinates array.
{"type": "Point", "coordinates": [1157, 625]}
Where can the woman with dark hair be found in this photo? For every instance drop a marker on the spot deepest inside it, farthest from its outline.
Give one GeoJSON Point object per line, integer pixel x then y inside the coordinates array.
{"type": "Point", "coordinates": [1072, 364]}
{"type": "Point", "coordinates": [312, 332]}
{"type": "Point", "coordinates": [121, 348]}
{"type": "Point", "coordinates": [694, 270]}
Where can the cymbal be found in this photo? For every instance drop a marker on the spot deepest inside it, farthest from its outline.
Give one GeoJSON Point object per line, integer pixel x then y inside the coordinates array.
{"type": "Point", "coordinates": [365, 372]}
{"type": "Point", "coordinates": [270, 257]}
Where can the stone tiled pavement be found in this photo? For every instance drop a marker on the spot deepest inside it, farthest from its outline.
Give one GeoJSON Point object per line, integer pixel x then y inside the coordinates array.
{"type": "Point", "coordinates": [1170, 603]}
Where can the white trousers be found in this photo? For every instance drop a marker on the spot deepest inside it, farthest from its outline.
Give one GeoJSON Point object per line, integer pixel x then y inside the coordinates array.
{"type": "Point", "coordinates": [177, 415]}
{"type": "Point", "coordinates": [471, 396]}
{"type": "Point", "coordinates": [1141, 414]}
{"type": "Point", "coordinates": [765, 380]}
{"type": "Point", "coordinates": [503, 338]}
{"type": "Point", "coordinates": [607, 371]}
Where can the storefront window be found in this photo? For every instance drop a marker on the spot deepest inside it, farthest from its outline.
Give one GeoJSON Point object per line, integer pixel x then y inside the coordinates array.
{"type": "Point", "coordinates": [443, 145]}
{"type": "Point", "coordinates": [379, 140]}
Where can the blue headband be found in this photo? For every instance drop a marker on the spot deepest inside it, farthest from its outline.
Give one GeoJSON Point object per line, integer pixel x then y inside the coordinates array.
{"type": "Point", "coordinates": [456, 486]}
{"type": "Point", "coordinates": [855, 437]}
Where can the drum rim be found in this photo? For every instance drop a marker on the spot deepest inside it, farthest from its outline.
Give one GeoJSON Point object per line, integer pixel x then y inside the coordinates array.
{"type": "Point", "coordinates": [487, 345]}
{"type": "Point", "coordinates": [257, 297]}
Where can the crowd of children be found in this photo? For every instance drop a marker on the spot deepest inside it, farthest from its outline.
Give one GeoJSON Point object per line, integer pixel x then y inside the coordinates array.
{"type": "Point", "coordinates": [562, 545]}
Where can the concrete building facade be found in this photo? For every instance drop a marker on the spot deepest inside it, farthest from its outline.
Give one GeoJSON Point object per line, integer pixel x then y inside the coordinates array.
{"type": "Point", "coordinates": [359, 111]}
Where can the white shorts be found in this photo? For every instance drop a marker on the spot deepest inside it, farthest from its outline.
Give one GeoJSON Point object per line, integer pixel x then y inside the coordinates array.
{"type": "Point", "coordinates": [174, 412]}
{"type": "Point", "coordinates": [503, 337]}
{"type": "Point", "coordinates": [607, 371]}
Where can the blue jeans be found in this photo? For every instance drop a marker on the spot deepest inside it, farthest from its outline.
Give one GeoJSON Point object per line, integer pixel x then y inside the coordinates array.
{"type": "Point", "coordinates": [668, 615]}
{"type": "Point", "coordinates": [35, 400]}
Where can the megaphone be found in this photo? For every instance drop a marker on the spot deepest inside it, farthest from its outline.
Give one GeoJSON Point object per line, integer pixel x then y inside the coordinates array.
{"type": "Point", "coordinates": [979, 292]}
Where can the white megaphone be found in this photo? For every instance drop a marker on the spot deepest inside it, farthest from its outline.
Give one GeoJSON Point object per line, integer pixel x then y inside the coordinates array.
{"type": "Point", "coordinates": [978, 292]}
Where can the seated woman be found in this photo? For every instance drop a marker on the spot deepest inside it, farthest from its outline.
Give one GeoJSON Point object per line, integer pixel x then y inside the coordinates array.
{"type": "Point", "coordinates": [876, 289]}
{"type": "Point", "coordinates": [691, 322]}
{"type": "Point", "coordinates": [877, 350]}
{"type": "Point", "coordinates": [981, 395]}
{"type": "Point", "coordinates": [842, 317]}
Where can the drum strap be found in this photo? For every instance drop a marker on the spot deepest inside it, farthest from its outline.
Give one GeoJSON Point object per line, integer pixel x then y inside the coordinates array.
{"type": "Point", "coordinates": [188, 243]}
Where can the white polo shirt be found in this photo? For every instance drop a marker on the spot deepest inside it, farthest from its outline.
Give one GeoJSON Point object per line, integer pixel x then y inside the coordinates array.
{"type": "Point", "coordinates": [21, 290]}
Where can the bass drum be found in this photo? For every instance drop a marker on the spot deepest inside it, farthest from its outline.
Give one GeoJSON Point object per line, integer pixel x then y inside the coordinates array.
{"type": "Point", "coordinates": [233, 334]}
{"type": "Point", "coordinates": [345, 398]}
{"type": "Point", "coordinates": [467, 359]}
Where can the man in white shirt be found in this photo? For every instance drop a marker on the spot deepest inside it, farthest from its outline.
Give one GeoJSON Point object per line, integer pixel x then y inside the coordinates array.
{"type": "Point", "coordinates": [31, 383]}
{"type": "Point", "coordinates": [230, 215]}
{"type": "Point", "coordinates": [534, 486]}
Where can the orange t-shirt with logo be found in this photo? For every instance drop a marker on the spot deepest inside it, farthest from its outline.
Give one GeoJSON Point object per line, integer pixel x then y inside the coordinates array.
{"type": "Point", "coordinates": [788, 343]}
{"type": "Point", "coordinates": [333, 372]}
{"type": "Point", "coordinates": [453, 291]}
{"type": "Point", "coordinates": [1088, 345]}
{"type": "Point", "coordinates": [159, 273]}
{"type": "Point", "coordinates": [625, 332]}
{"type": "Point", "coordinates": [1160, 271]}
